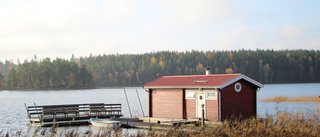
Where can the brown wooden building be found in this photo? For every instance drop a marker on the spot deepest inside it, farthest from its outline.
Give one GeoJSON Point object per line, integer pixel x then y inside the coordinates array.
{"type": "Point", "coordinates": [223, 95]}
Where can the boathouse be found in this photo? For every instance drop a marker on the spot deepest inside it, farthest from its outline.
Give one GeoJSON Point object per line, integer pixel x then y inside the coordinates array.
{"type": "Point", "coordinates": [223, 96]}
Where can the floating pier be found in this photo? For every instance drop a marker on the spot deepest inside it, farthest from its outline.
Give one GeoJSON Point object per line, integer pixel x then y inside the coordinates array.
{"type": "Point", "coordinates": [80, 114]}
{"type": "Point", "coordinates": [159, 123]}
{"type": "Point", "coordinates": [70, 114]}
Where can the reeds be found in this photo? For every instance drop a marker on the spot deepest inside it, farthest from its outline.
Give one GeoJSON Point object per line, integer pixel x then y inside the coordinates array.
{"type": "Point", "coordinates": [282, 124]}
{"type": "Point", "coordinates": [292, 99]}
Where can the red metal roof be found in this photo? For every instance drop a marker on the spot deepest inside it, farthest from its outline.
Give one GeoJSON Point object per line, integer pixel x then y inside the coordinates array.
{"type": "Point", "coordinates": [213, 80]}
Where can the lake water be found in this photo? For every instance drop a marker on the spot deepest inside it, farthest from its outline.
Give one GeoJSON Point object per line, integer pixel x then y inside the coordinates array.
{"type": "Point", "coordinates": [289, 90]}
{"type": "Point", "coordinates": [13, 112]}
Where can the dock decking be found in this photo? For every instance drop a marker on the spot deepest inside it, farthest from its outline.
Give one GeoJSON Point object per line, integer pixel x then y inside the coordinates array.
{"type": "Point", "coordinates": [79, 114]}
{"type": "Point", "coordinates": [71, 114]}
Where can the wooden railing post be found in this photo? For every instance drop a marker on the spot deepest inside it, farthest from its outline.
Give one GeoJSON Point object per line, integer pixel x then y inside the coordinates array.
{"type": "Point", "coordinates": [40, 120]}
{"type": "Point", "coordinates": [25, 105]}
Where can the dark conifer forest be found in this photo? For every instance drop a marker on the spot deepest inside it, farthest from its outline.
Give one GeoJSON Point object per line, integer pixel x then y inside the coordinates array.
{"type": "Point", "coordinates": [266, 66]}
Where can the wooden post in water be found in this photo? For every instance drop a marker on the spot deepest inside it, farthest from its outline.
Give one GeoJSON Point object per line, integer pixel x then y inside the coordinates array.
{"type": "Point", "coordinates": [125, 93]}
{"type": "Point", "coordinates": [140, 102]}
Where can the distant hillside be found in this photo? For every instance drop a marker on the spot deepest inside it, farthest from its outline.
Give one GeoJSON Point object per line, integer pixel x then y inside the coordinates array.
{"type": "Point", "coordinates": [45, 74]}
{"type": "Point", "coordinates": [266, 66]}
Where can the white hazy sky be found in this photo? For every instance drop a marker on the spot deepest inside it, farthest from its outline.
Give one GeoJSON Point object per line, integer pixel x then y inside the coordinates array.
{"type": "Point", "coordinates": [60, 28]}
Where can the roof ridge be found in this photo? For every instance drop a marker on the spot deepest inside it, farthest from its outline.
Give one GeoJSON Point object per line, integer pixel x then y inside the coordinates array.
{"type": "Point", "coordinates": [214, 80]}
{"type": "Point", "coordinates": [237, 74]}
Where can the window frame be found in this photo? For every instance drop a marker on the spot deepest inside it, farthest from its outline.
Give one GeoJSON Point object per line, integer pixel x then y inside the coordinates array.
{"type": "Point", "coordinates": [215, 97]}
{"type": "Point", "coordinates": [190, 92]}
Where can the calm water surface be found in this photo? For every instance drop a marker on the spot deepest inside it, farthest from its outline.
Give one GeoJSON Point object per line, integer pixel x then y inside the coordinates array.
{"type": "Point", "coordinates": [13, 112]}
{"type": "Point", "coordinates": [289, 90]}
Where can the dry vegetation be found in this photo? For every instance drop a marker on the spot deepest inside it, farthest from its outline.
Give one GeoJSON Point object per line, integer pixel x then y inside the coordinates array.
{"type": "Point", "coordinates": [292, 99]}
{"type": "Point", "coordinates": [282, 124]}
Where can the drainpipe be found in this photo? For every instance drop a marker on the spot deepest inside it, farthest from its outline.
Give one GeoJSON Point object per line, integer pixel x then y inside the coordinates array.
{"type": "Point", "coordinates": [219, 104]}
{"type": "Point", "coordinates": [258, 89]}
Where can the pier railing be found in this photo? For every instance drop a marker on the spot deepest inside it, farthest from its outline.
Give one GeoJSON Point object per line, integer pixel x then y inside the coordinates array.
{"type": "Point", "coordinates": [49, 113]}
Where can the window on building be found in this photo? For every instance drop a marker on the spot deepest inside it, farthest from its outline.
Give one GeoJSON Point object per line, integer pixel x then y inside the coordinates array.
{"type": "Point", "coordinates": [190, 95]}
{"type": "Point", "coordinates": [212, 95]}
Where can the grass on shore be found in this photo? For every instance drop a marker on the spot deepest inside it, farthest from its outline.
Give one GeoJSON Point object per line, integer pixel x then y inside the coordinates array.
{"type": "Point", "coordinates": [282, 124]}
{"type": "Point", "coordinates": [292, 99]}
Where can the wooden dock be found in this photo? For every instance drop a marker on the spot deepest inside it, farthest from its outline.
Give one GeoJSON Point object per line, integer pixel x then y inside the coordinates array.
{"type": "Point", "coordinates": [167, 123]}
{"type": "Point", "coordinates": [70, 114]}
{"type": "Point", "coordinates": [80, 114]}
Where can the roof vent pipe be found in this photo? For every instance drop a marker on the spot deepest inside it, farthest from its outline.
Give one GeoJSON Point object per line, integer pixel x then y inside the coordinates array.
{"type": "Point", "coordinates": [208, 71]}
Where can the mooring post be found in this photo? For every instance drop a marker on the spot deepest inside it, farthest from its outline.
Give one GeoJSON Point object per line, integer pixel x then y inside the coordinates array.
{"type": "Point", "coordinates": [140, 102]}
{"type": "Point", "coordinates": [125, 93]}
{"type": "Point", "coordinates": [202, 116]}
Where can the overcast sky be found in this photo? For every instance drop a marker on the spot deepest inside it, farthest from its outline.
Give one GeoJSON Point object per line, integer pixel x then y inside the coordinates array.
{"type": "Point", "coordinates": [60, 28]}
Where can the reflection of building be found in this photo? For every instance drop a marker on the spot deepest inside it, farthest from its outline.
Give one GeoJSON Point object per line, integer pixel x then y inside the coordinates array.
{"type": "Point", "coordinates": [224, 96]}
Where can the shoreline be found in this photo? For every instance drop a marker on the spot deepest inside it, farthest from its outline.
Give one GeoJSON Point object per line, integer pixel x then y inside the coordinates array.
{"type": "Point", "coordinates": [314, 99]}
{"type": "Point", "coordinates": [47, 89]}
{"type": "Point", "coordinates": [118, 87]}
{"type": "Point", "coordinates": [99, 87]}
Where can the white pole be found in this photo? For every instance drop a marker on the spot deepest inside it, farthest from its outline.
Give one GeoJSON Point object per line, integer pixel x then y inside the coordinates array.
{"type": "Point", "coordinates": [127, 101]}
{"type": "Point", "coordinates": [140, 102]}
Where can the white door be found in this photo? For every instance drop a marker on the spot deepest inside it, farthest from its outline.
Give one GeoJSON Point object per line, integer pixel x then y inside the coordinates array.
{"type": "Point", "coordinates": [201, 100]}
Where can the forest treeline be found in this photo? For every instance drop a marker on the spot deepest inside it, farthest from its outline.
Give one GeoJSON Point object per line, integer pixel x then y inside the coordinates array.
{"type": "Point", "coordinates": [266, 66]}
{"type": "Point", "coordinates": [46, 74]}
